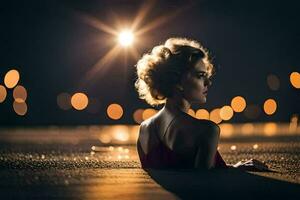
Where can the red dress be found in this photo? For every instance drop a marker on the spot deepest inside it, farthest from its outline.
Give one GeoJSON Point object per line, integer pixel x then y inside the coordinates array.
{"type": "Point", "coordinates": [165, 140]}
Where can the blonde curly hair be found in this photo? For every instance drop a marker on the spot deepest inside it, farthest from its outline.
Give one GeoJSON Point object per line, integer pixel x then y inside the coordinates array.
{"type": "Point", "coordinates": [161, 69]}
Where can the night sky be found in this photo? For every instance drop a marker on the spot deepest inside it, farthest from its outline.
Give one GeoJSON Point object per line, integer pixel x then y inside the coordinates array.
{"type": "Point", "coordinates": [53, 47]}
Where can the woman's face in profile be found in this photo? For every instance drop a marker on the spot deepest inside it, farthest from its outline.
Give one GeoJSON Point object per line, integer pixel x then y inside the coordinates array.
{"type": "Point", "coordinates": [195, 83]}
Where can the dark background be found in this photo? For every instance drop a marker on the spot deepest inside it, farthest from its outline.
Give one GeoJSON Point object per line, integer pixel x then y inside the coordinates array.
{"type": "Point", "coordinates": [53, 48]}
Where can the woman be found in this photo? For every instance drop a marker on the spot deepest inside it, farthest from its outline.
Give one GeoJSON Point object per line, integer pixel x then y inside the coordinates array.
{"type": "Point", "coordinates": [177, 74]}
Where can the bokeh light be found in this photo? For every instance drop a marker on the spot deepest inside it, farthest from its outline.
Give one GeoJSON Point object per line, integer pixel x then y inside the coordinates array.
{"type": "Point", "coordinates": [273, 82]}
{"type": "Point", "coordinates": [270, 106]}
{"type": "Point", "coordinates": [202, 114]}
{"type": "Point", "coordinates": [11, 78]}
{"type": "Point", "coordinates": [270, 128]}
{"type": "Point", "coordinates": [295, 79]}
{"type": "Point", "coordinates": [293, 123]}
{"type": "Point", "coordinates": [252, 111]}
{"type": "Point", "coordinates": [3, 93]}
{"type": "Point", "coordinates": [120, 133]}
{"type": "Point", "coordinates": [19, 94]}
{"type": "Point", "coordinates": [226, 129]}
{"type": "Point", "coordinates": [149, 112]}
{"type": "Point", "coordinates": [114, 111]}
{"type": "Point", "coordinates": [126, 38]}
{"type": "Point", "coordinates": [247, 129]}
{"type": "Point", "coordinates": [64, 101]}
{"type": "Point", "coordinates": [20, 108]}
{"type": "Point", "coordinates": [138, 116]}
{"type": "Point", "coordinates": [121, 136]}
{"type": "Point", "coordinates": [191, 112]}
{"type": "Point", "coordinates": [226, 113]}
{"type": "Point", "coordinates": [105, 138]}
{"type": "Point", "coordinates": [79, 101]}
{"type": "Point", "coordinates": [238, 104]}
{"type": "Point", "coordinates": [215, 115]}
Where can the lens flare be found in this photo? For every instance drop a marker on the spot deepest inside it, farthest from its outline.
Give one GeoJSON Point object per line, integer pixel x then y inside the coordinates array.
{"type": "Point", "coordinates": [126, 38]}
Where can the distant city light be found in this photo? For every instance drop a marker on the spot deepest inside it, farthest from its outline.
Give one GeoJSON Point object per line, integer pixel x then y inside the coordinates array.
{"type": "Point", "coordinates": [79, 101]}
{"type": "Point", "coordinates": [238, 104]}
{"type": "Point", "coordinates": [215, 115]}
{"type": "Point", "coordinates": [19, 94]}
{"type": "Point", "coordinates": [247, 129]}
{"type": "Point", "coordinates": [295, 79]}
{"type": "Point", "coordinates": [227, 129]}
{"type": "Point", "coordinates": [11, 78]}
{"type": "Point", "coordinates": [138, 116]}
{"type": "Point", "coordinates": [273, 82]}
{"type": "Point", "coordinates": [202, 114]}
{"type": "Point", "coordinates": [270, 106]}
{"type": "Point", "coordinates": [64, 101]}
{"type": "Point", "coordinates": [120, 133]}
{"type": "Point", "coordinates": [149, 112]}
{"type": "Point", "coordinates": [226, 113]}
{"type": "Point", "coordinates": [126, 38]}
{"type": "Point", "coordinates": [20, 108]}
{"type": "Point", "coordinates": [270, 128]}
{"type": "Point", "coordinates": [114, 111]}
{"type": "Point", "coordinates": [3, 93]}
{"type": "Point", "coordinates": [191, 112]}
{"type": "Point", "coordinates": [105, 138]}
{"type": "Point", "coordinates": [293, 123]}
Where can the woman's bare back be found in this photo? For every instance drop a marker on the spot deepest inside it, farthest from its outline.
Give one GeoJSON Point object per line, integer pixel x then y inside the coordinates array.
{"type": "Point", "coordinates": [173, 139]}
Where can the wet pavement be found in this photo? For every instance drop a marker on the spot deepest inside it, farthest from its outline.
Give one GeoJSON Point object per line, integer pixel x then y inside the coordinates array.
{"type": "Point", "coordinates": [90, 171]}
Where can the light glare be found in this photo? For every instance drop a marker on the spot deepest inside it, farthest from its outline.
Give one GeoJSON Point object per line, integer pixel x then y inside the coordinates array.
{"type": "Point", "coordinates": [126, 38]}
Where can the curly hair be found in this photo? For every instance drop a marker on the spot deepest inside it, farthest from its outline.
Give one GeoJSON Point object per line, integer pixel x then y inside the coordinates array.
{"type": "Point", "coordinates": [161, 69]}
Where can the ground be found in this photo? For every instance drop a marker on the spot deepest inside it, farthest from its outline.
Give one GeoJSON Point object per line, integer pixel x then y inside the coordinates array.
{"type": "Point", "coordinates": [81, 171]}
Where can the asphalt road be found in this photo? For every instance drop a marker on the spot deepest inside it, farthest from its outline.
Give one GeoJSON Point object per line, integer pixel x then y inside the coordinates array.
{"type": "Point", "coordinates": [81, 171]}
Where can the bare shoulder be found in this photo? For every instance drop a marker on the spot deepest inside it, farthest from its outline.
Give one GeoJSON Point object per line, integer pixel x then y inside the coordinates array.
{"type": "Point", "coordinates": [186, 132]}
{"type": "Point", "coordinates": [189, 121]}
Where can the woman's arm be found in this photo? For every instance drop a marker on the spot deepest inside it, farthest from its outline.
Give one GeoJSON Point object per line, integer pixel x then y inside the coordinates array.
{"type": "Point", "coordinates": [249, 165]}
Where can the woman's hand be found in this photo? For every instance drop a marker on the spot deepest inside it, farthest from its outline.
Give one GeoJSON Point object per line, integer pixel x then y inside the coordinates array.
{"type": "Point", "coordinates": [251, 165]}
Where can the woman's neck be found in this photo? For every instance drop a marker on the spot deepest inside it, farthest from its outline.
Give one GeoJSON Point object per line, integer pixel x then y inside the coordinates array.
{"type": "Point", "coordinates": [179, 103]}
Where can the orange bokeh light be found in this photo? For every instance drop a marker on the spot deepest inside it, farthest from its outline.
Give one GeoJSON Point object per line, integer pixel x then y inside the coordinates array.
{"type": "Point", "coordinates": [191, 112]}
{"type": "Point", "coordinates": [114, 111]}
{"type": "Point", "coordinates": [295, 79]}
{"type": "Point", "coordinates": [215, 115]}
{"type": "Point", "coordinates": [79, 101]}
{"type": "Point", "coordinates": [19, 94]}
{"type": "Point", "coordinates": [3, 93]}
{"type": "Point", "coordinates": [138, 116]}
{"type": "Point", "coordinates": [149, 112]}
{"type": "Point", "coordinates": [238, 104]}
{"type": "Point", "coordinates": [270, 106]}
{"type": "Point", "coordinates": [64, 101]}
{"type": "Point", "coordinates": [226, 113]}
{"type": "Point", "coordinates": [20, 108]}
{"type": "Point", "coordinates": [202, 114]}
{"type": "Point", "coordinates": [11, 78]}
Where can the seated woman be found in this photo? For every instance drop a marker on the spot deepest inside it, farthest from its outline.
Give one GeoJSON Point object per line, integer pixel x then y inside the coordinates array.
{"type": "Point", "coordinates": [177, 74]}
